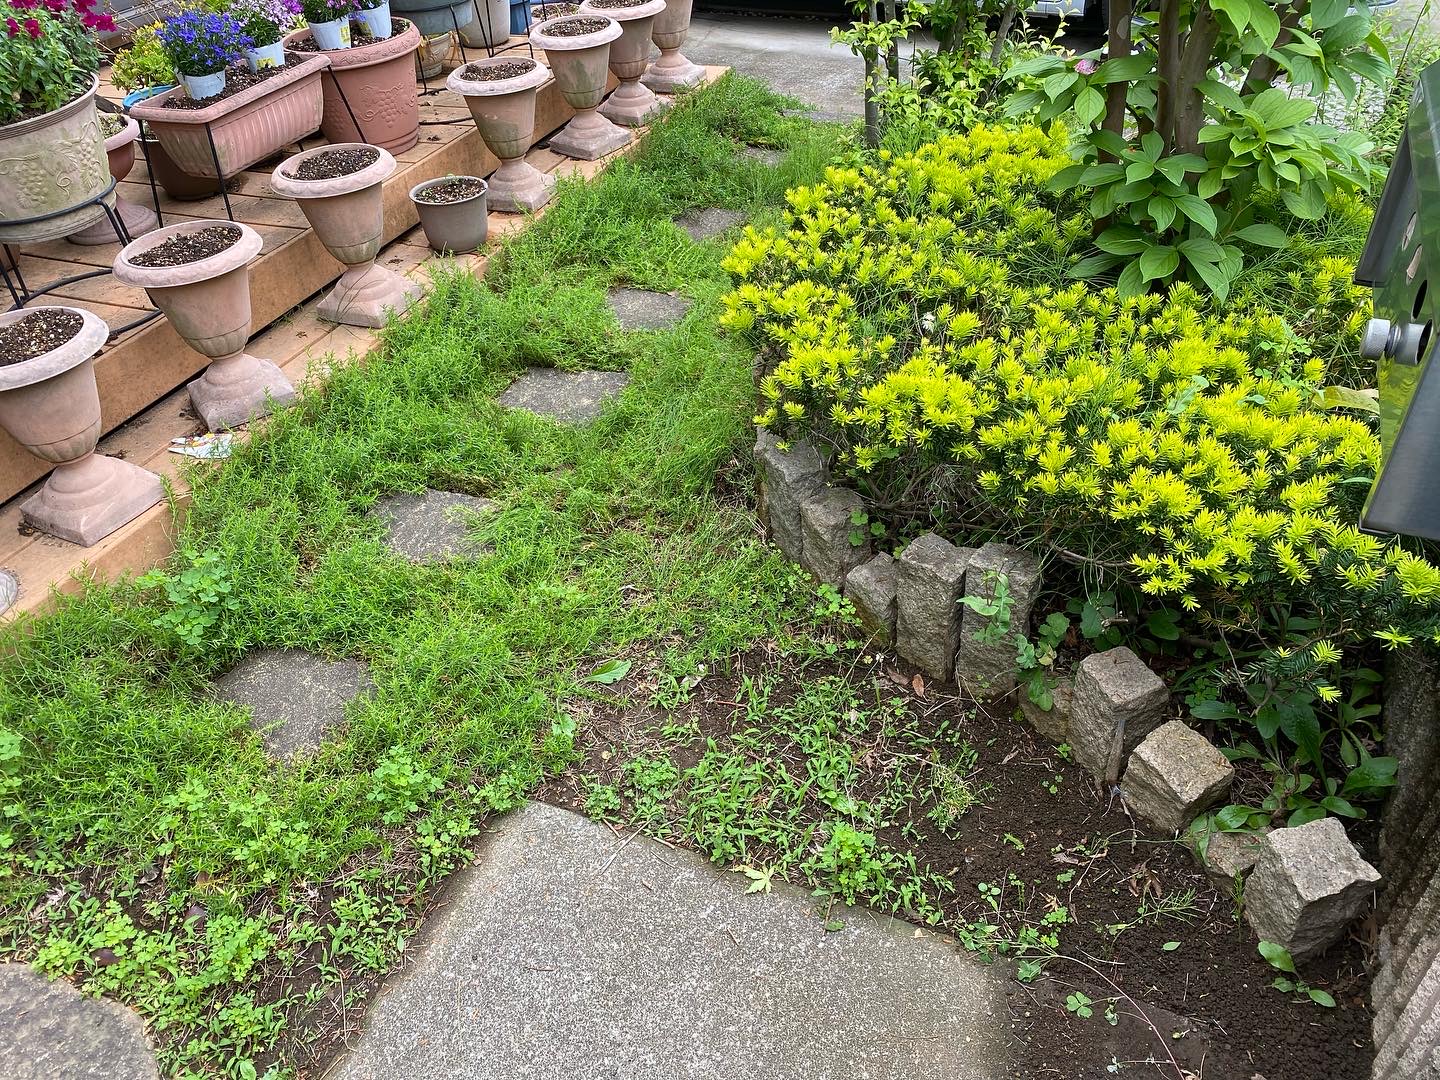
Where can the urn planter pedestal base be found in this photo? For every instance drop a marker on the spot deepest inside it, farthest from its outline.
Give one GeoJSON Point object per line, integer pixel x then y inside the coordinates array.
{"type": "Point", "coordinates": [86, 500]}
{"type": "Point", "coordinates": [367, 295]}
{"type": "Point", "coordinates": [234, 390]}
{"type": "Point", "coordinates": [517, 186]}
{"type": "Point", "coordinates": [672, 72]}
{"type": "Point", "coordinates": [589, 136]}
{"type": "Point", "coordinates": [632, 104]}
{"type": "Point", "coordinates": [138, 221]}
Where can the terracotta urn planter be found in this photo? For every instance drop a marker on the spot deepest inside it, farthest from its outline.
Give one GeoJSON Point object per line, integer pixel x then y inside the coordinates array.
{"type": "Point", "coordinates": [633, 103]}
{"type": "Point", "coordinates": [452, 212]}
{"type": "Point", "coordinates": [248, 126]}
{"type": "Point", "coordinates": [49, 163]}
{"type": "Point", "coordinates": [348, 215]}
{"type": "Point", "coordinates": [672, 72]}
{"type": "Point", "coordinates": [578, 48]}
{"type": "Point", "coordinates": [207, 301]}
{"type": "Point", "coordinates": [372, 85]}
{"type": "Point", "coordinates": [504, 111]}
{"type": "Point", "coordinates": [50, 404]}
{"type": "Point", "coordinates": [138, 220]}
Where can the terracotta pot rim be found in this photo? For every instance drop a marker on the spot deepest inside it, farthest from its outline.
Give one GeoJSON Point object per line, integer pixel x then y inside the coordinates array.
{"type": "Point", "coordinates": [335, 185]}
{"type": "Point", "coordinates": [622, 15]}
{"type": "Point", "coordinates": [127, 134]}
{"type": "Point", "coordinates": [21, 127]}
{"type": "Point", "coordinates": [153, 109]}
{"type": "Point", "coordinates": [420, 187]}
{"type": "Point", "coordinates": [235, 256]}
{"type": "Point", "coordinates": [93, 334]}
{"type": "Point", "coordinates": [359, 56]}
{"type": "Point", "coordinates": [541, 39]}
{"type": "Point", "coordinates": [531, 80]}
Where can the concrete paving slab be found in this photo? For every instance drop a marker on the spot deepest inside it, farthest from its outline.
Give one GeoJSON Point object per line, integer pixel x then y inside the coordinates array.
{"type": "Point", "coordinates": [572, 397]}
{"type": "Point", "coordinates": [764, 155]}
{"type": "Point", "coordinates": [640, 309]}
{"type": "Point", "coordinates": [711, 221]}
{"type": "Point", "coordinates": [295, 698]}
{"type": "Point", "coordinates": [794, 57]}
{"type": "Point", "coordinates": [51, 1031]}
{"type": "Point", "coordinates": [568, 953]}
{"type": "Point", "coordinates": [433, 526]}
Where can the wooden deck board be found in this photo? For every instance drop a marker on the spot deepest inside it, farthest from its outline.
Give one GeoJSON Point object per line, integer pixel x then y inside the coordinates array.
{"type": "Point", "coordinates": [285, 283]}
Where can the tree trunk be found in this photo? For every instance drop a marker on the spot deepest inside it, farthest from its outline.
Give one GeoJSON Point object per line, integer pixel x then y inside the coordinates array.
{"type": "Point", "coordinates": [1119, 45]}
{"type": "Point", "coordinates": [1264, 68]}
{"type": "Point", "coordinates": [1194, 69]}
{"type": "Point", "coordinates": [872, 80]}
{"type": "Point", "coordinates": [1007, 20]}
{"type": "Point", "coordinates": [1167, 41]}
{"type": "Point", "coordinates": [892, 55]}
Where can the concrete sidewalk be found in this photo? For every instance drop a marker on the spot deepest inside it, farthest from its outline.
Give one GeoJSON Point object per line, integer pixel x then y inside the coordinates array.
{"type": "Point", "coordinates": [568, 953]}
{"type": "Point", "coordinates": [793, 56]}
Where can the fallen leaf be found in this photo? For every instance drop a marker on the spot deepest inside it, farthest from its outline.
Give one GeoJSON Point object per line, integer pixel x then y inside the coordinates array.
{"type": "Point", "coordinates": [918, 685]}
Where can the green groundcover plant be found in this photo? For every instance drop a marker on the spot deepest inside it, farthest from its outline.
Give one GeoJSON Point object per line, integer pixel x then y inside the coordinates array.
{"type": "Point", "coordinates": [921, 327]}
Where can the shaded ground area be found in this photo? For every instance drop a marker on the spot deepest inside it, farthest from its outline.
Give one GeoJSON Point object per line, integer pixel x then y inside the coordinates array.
{"type": "Point", "coordinates": [574, 951]}
{"type": "Point", "coordinates": [848, 775]}
{"type": "Point", "coordinates": [793, 57]}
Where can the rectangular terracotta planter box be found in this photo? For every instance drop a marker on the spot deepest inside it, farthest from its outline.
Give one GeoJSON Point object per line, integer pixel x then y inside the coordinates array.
{"type": "Point", "coordinates": [248, 127]}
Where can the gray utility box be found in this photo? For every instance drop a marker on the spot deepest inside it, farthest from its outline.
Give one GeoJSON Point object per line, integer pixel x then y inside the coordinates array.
{"type": "Point", "coordinates": [1402, 256]}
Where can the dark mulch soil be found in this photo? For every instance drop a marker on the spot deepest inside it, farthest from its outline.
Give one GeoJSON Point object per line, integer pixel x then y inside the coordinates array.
{"type": "Point", "coordinates": [452, 191]}
{"type": "Point", "coordinates": [540, 12]}
{"type": "Point", "coordinates": [238, 78]}
{"type": "Point", "coordinates": [36, 334]}
{"type": "Point", "coordinates": [577, 26]}
{"type": "Point", "coordinates": [1203, 1009]}
{"type": "Point", "coordinates": [332, 163]}
{"type": "Point", "coordinates": [511, 69]}
{"type": "Point", "coordinates": [189, 247]}
{"type": "Point", "coordinates": [359, 36]}
{"type": "Point", "coordinates": [617, 3]}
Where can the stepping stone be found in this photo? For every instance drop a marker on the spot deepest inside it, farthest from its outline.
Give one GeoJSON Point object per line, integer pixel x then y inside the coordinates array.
{"type": "Point", "coordinates": [433, 526]}
{"type": "Point", "coordinates": [294, 697]}
{"type": "Point", "coordinates": [572, 397]}
{"type": "Point", "coordinates": [567, 951]}
{"type": "Point", "coordinates": [639, 309]}
{"type": "Point", "coordinates": [9, 590]}
{"type": "Point", "coordinates": [763, 154]}
{"type": "Point", "coordinates": [711, 221]}
{"type": "Point", "coordinates": [51, 1031]}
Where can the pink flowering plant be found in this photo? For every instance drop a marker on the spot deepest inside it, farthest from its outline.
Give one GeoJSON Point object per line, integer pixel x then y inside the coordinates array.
{"type": "Point", "coordinates": [266, 21]}
{"type": "Point", "coordinates": [48, 54]}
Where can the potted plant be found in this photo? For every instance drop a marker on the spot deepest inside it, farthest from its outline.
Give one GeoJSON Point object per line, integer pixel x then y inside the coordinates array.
{"type": "Point", "coordinates": [329, 22]}
{"type": "Point", "coordinates": [200, 44]}
{"type": "Point", "coordinates": [143, 69]}
{"type": "Point", "coordinates": [672, 72]}
{"type": "Point", "coordinates": [266, 22]}
{"type": "Point", "coordinates": [374, 16]}
{"type": "Point", "coordinates": [371, 84]}
{"type": "Point", "coordinates": [578, 48]}
{"type": "Point", "coordinates": [452, 212]}
{"type": "Point", "coordinates": [339, 189]}
{"type": "Point", "coordinates": [633, 103]}
{"type": "Point", "coordinates": [50, 404]}
{"type": "Point", "coordinates": [500, 92]}
{"type": "Point", "coordinates": [52, 151]}
{"type": "Point", "coordinates": [121, 136]}
{"type": "Point", "coordinates": [198, 274]}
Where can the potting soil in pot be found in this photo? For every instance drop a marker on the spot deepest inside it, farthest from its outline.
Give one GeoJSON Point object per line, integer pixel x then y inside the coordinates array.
{"type": "Point", "coordinates": [238, 77]}
{"type": "Point", "coordinates": [543, 12]}
{"type": "Point", "coordinates": [36, 334]}
{"type": "Point", "coordinates": [333, 163]}
{"type": "Point", "coordinates": [452, 191]}
{"type": "Point", "coordinates": [495, 72]}
{"type": "Point", "coordinates": [617, 3]}
{"type": "Point", "coordinates": [189, 247]}
{"type": "Point", "coordinates": [578, 26]}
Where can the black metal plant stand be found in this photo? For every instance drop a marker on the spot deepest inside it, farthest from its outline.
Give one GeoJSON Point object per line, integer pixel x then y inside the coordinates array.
{"type": "Point", "coordinates": [21, 293]}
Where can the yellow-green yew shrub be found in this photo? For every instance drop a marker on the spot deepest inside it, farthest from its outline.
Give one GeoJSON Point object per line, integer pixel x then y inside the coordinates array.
{"type": "Point", "coordinates": [1167, 439]}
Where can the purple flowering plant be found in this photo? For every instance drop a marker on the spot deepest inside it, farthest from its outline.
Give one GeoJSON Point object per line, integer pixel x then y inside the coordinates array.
{"type": "Point", "coordinates": [323, 11]}
{"type": "Point", "coordinates": [203, 42]}
{"type": "Point", "coordinates": [47, 54]}
{"type": "Point", "coordinates": [266, 21]}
